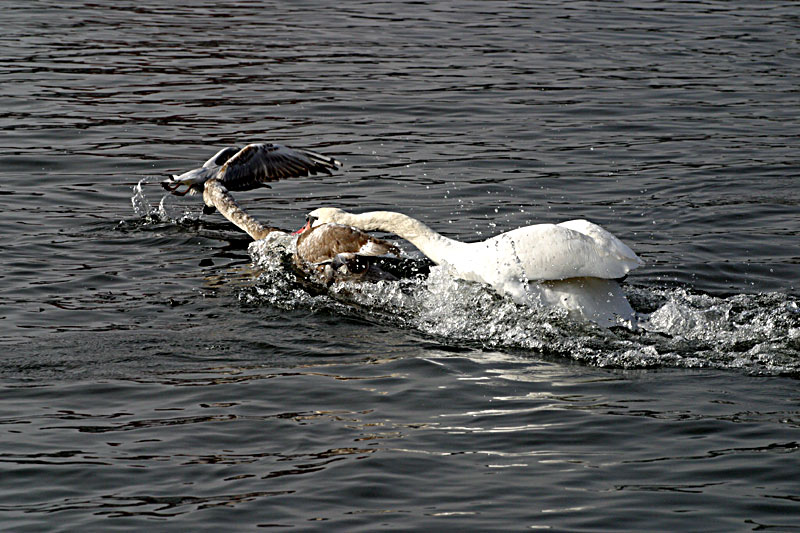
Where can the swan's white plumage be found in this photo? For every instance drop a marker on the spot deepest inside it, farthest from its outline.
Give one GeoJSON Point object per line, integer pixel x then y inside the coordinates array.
{"type": "Point", "coordinates": [572, 249]}
{"type": "Point", "coordinates": [571, 264]}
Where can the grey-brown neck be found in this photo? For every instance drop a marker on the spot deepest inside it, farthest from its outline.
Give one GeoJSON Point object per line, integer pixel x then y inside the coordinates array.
{"type": "Point", "coordinates": [216, 195]}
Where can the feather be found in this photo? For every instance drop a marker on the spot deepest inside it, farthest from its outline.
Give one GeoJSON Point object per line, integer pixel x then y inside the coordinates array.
{"type": "Point", "coordinates": [253, 166]}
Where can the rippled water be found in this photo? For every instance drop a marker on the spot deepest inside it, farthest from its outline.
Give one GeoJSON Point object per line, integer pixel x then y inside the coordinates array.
{"type": "Point", "coordinates": [159, 371]}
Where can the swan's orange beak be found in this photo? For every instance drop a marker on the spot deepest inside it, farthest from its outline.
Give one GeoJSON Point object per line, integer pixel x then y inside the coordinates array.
{"type": "Point", "coordinates": [304, 228]}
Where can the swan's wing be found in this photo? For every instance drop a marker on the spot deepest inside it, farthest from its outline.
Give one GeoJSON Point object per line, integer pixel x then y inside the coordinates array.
{"type": "Point", "coordinates": [256, 164]}
{"type": "Point", "coordinates": [561, 251]}
{"type": "Point", "coordinates": [325, 242]}
{"type": "Point", "coordinates": [600, 300]}
{"type": "Point", "coordinates": [375, 247]}
{"type": "Point", "coordinates": [606, 242]}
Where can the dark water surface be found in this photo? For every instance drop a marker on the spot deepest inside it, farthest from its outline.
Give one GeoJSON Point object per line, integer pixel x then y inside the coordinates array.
{"type": "Point", "coordinates": [158, 373]}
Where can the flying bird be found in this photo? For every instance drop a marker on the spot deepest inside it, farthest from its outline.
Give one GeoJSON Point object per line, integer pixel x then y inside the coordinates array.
{"type": "Point", "coordinates": [255, 165]}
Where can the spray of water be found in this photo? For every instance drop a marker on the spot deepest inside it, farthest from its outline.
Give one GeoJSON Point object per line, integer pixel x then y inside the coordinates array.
{"type": "Point", "coordinates": [756, 332]}
{"type": "Point", "coordinates": [759, 333]}
{"type": "Point", "coordinates": [168, 209]}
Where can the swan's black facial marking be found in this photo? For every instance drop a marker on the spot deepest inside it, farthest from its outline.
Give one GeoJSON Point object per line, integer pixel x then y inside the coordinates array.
{"type": "Point", "coordinates": [309, 224]}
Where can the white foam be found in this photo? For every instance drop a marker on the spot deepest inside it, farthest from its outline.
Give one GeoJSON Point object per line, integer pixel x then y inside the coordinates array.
{"type": "Point", "coordinates": [759, 333]}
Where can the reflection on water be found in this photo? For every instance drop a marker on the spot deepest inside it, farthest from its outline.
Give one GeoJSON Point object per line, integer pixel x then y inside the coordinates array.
{"type": "Point", "coordinates": [180, 446]}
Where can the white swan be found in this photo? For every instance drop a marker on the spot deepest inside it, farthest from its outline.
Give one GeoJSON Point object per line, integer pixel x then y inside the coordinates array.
{"type": "Point", "coordinates": [573, 264]}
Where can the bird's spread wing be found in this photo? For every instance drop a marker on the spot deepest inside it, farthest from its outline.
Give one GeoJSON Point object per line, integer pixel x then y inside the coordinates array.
{"type": "Point", "coordinates": [257, 164]}
{"type": "Point", "coordinates": [219, 159]}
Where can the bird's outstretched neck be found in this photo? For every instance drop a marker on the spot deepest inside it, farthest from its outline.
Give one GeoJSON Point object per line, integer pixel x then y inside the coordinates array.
{"type": "Point", "coordinates": [435, 246]}
{"type": "Point", "coordinates": [216, 195]}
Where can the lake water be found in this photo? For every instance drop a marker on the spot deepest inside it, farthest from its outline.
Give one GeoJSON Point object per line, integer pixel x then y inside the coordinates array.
{"type": "Point", "coordinates": [158, 373]}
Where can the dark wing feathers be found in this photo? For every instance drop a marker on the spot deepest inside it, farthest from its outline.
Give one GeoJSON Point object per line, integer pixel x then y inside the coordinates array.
{"type": "Point", "coordinates": [219, 159]}
{"type": "Point", "coordinates": [257, 164]}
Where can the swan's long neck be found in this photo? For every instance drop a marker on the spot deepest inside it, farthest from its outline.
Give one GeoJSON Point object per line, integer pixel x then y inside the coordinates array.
{"type": "Point", "coordinates": [216, 195]}
{"type": "Point", "coordinates": [435, 246]}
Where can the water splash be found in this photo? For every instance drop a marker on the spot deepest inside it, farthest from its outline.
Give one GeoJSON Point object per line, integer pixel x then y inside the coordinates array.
{"type": "Point", "coordinates": [759, 333]}
{"type": "Point", "coordinates": [168, 208]}
{"type": "Point", "coordinates": [141, 206]}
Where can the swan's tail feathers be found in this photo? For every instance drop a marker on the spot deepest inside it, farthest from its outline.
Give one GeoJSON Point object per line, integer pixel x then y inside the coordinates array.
{"type": "Point", "coordinates": [610, 246]}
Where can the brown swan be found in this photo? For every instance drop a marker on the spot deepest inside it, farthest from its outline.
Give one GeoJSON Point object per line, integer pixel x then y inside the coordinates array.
{"type": "Point", "coordinates": [325, 253]}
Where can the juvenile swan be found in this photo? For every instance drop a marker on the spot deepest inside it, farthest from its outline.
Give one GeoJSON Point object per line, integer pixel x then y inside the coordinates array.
{"type": "Point", "coordinates": [573, 264]}
{"type": "Point", "coordinates": [324, 254]}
